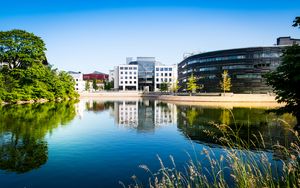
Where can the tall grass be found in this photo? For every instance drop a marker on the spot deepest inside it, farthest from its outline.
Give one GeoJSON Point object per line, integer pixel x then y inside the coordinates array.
{"type": "Point", "coordinates": [239, 166]}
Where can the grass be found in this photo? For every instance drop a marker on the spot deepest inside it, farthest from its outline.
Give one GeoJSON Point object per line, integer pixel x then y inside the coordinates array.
{"type": "Point", "coordinates": [239, 166]}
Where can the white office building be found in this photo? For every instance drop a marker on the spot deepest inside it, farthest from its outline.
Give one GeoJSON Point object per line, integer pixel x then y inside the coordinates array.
{"type": "Point", "coordinates": [79, 82]}
{"type": "Point", "coordinates": [165, 74]}
{"type": "Point", "coordinates": [126, 77]}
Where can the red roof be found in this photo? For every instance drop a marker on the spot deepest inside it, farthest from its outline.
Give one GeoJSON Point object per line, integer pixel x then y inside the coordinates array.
{"type": "Point", "coordinates": [95, 76]}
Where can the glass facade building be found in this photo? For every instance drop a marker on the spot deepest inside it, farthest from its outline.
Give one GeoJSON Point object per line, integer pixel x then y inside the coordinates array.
{"type": "Point", "coordinates": [246, 67]}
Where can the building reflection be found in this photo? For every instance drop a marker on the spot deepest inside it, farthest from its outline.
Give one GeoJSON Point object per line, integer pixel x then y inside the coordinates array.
{"type": "Point", "coordinates": [144, 115]}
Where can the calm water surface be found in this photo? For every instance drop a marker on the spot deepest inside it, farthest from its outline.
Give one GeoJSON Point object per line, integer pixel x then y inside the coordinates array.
{"type": "Point", "coordinates": [99, 143]}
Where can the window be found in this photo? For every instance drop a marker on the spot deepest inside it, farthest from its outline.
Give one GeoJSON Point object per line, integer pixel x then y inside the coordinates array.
{"type": "Point", "coordinates": [121, 72]}
{"type": "Point", "coordinates": [161, 69]}
{"type": "Point", "coordinates": [121, 82]}
{"type": "Point", "coordinates": [170, 74]}
{"type": "Point", "coordinates": [162, 74]}
{"type": "Point", "coordinates": [134, 72]}
{"type": "Point", "coordinates": [125, 77]}
{"type": "Point", "coordinates": [162, 80]}
{"type": "Point", "coordinates": [130, 72]}
{"type": "Point", "coordinates": [134, 77]}
{"type": "Point", "coordinates": [166, 69]}
{"type": "Point", "coordinates": [157, 69]}
{"type": "Point", "coordinates": [170, 69]}
{"type": "Point", "coordinates": [125, 72]}
{"type": "Point", "coordinates": [170, 79]}
{"type": "Point", "coordinates": [166, 74]}
{"type": "Point", "coordinates": [130, 77]}
{"type": "Point", "coordinates": [157, 79]}
{"type": "Point", "coordinates": [76, 84]}
{"type": "Point", "coordinates": [130, 82]}
{"type": "Point", "coordinates": [134, 82]}
{"type": "Point", "coordinates": [237, 67]}
{"type": "Point", "coordinates": [121, 68]}
{"type": "Point", "coordinates": [126, 82]}
{"type": "Point", "coordinates": [121, 77]}
{"type": "Point", "coordinates": [134, 68]}
{"type": "Point", "coordinates": [207, 69]}
{"type": "Point", "coordinates": [126, 68]}
{"type": "Point", "coordinates": [76, 79]}
{"type": "Point", "coordinates": [157, 74]}
{"type": "Point", "coordinates": [166, 80]}
{"type": "Point", "coordinates": [130, 68]}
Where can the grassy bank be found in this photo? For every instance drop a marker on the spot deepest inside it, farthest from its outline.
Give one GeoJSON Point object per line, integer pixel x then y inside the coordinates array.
{"type": "Point", "coordinates": [239, 166]}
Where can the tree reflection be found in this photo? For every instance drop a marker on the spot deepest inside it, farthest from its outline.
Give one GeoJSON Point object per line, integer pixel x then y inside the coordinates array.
{"type": "Point", "coordinates": [22, 132]}
{"type": "Point", "coordinates": [248, 123]}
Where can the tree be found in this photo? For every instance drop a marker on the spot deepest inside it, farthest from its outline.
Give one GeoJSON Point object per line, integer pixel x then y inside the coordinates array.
{"type": "Point", "coordinates": [175, 86]}
{"type": "Point", "coordinates": [164, 86]}
{"type": "Point", "coordinates": [20, 49]}
{"type": "Point", "coordinates": [87, 85]}
{"type": "Point", "coordinates": [285, 81]}
{"type": "Point", "coordinates": [95, 86]}
{"type": "Point", "coordinates": [225, 83]}
{"type": "Point", "coordinates": [192, 85]}
{"type": "Point", "coordinates": [297, 22]}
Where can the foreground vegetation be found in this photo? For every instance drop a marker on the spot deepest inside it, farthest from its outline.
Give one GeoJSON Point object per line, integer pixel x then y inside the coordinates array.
{"type": "Point", "coordinates": [237, 166]}
{"type": "Point", "coordinates": [25, 73]}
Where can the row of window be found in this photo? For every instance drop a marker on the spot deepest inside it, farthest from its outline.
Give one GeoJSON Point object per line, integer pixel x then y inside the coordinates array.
{"type": "Point", "coordinates": [164, 80]}
{"type": "Point", "coordinates": [238, 76]}
{"type": "Point", "coordinates": [128, 68]}
{"type": "Point", "coordinates": [163, 69]}
{"type": "Point", "coordinates": [216, 59]}
{"type": "Point", "coordinates": [127, 72]}
{"type": "Point", "coordinates": [126, 77]}
{"type": "Point", "coordinates": [130, 82]}
{"type": "Point", "coordinates": [164, 74]}
{"type": "Point", "coordinates": [266, 55]}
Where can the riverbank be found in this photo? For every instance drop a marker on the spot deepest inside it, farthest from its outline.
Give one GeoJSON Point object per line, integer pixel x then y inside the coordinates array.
{"type": "Point", "coordinates": [228, 98]}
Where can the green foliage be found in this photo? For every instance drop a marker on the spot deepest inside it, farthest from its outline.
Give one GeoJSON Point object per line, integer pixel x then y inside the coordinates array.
{"type": "Point", "coordinates": [87, 85]}
{"type": "Point", "coordinates": [95, 86]}
{"type": "Point", "coordinates": [285, 80]}
{"type": "Point", "coordinates": [175, 86]}
{"type": "Point", "coordinates": [108, 85]}
{"type": "Point", "coordinates": [296, 22]}
{"type": "Point", "coordinates": [164, 86]}
{"type": "Point", "coordinates": [192, 85]}
{"type": "Point", "coordinates": [25, 148]}
{"type": "Point", "coordinates": [27, 77]}
{"type": "Point", "coordinates": [21, 49]}
{"type": "Point", "coordinates": [225, 83]}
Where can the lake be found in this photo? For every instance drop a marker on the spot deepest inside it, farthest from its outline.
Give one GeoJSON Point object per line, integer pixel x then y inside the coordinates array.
{"type": "Point", "coordinates": [97, 143]}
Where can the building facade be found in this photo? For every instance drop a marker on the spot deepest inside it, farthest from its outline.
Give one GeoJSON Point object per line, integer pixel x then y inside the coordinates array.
{"type": "Point", "coordinates": [99, 77]}
{"type": "Point", "coordinates": [144, 73]}
{"type": "Point", "coordinates": [245, 66]}
{"type": "Point", "coordinates": [126, 77]}
{"type": "Point", "coordinates": [165, 74]}
{"type": "Point", "coordinates": [79, 82]}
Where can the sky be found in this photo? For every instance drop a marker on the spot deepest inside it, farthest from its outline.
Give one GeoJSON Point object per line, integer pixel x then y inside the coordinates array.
{"type": "Point", "coordinates": [89, 35]}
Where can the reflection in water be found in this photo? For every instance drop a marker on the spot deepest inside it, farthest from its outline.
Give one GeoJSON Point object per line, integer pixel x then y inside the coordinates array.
{"type": "Point", "coordinates": [22, 132]}
{"type": "Point", "coordinates": [248, 123]}
{"type": "Point", "coordinates": [194, 121]}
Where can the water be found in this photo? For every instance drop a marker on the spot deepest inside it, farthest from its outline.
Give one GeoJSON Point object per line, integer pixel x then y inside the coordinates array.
{"type": "Point", "coordinates": [99, 143]}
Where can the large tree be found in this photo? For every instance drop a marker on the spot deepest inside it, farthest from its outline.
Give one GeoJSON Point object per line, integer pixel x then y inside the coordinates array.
{"type": "Point", "coordinates": [285, 80]}
{"type": "Point", "coordinates": [192, 84]}
{"type": "Point", "coordinates": [20, 49]}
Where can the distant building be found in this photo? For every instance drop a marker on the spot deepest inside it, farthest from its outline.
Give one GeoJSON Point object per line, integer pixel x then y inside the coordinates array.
{"type": "Point", "coordinates": [100, 78]}
{"type": "Point", "coordinates": [287, 41]}
{"type": "Point", "coordinates": [144, 73]}
{"type": "Point", "coordinates": [78, 78]}
{"type": "Point", "coordinates": [111, 75]}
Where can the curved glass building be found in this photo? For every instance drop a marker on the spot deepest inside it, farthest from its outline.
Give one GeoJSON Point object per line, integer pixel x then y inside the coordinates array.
{"type": "Point", "coordinates": [245, 66]}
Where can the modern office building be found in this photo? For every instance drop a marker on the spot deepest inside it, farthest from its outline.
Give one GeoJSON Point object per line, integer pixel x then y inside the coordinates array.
{"type": "Point", "coordinates": [144, 73]}
{"type": "Point", "coordinates": [78, 78]}
{"type": "Point", "coordinates": [126, 77]}
{"type": "Point", "coordinates": [246, 67]}
{"type": "Point", "coordinates": [165, 74]}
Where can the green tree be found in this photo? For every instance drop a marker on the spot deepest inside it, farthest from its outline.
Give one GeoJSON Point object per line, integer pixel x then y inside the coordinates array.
{"type": "Point", "coordinates": [164, 86]}
{"type": "Point", "coordinates": [108, 85]}
{"type": "Point", "coordinates": [192, 85]}
{"type": "Point", "coordinates": [225, 83]}
{"type": "Point", "coordinates": [95, 86]}
{"type": "Point", "coordinates": [285, 81]}
{"type": "Point", "coordinates": [297, 22]}
{"type": "Point", "coordinates": [87, 85]}
{"type": "Point", "coordinates": [175, 86]}
{"type": "Point", "coordinates": [20, 49]}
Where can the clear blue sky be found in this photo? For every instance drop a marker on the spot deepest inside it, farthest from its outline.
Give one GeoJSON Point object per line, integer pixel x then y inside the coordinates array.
{"type": "Point", "coordinates": [88, 35]}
